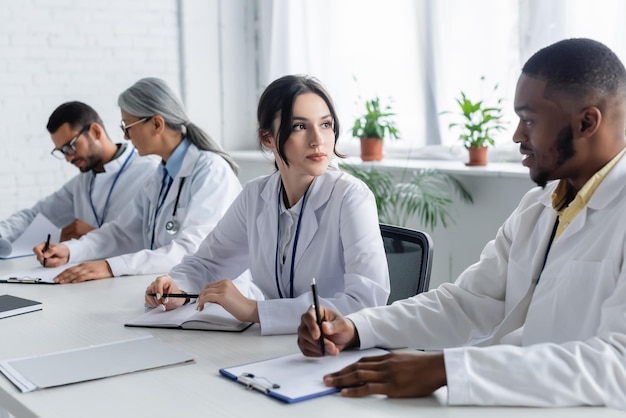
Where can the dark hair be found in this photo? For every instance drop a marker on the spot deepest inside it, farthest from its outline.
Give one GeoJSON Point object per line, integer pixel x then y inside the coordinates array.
{"type": "Point", "coordinates": [77, 114]}
{"type": "Point", "coordinates": [580, 67]}
{"type": "Point", "coordinates": [152, 96]}
{"type": "Point", "coordinates": [279, 98]}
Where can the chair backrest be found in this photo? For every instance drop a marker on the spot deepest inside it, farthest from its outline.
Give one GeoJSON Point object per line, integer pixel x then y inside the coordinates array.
{"type": "Point", "coordinates": [409, 258]}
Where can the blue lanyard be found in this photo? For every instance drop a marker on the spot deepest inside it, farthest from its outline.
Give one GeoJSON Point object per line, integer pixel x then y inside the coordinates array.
{"type": "Point", "coordinates": [295, 244]}
{"type": "Point", "coordinates": [106, 202]}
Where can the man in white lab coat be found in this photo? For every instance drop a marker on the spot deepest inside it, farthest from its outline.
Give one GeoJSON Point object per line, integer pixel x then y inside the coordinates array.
{"type": "Point", "coordinates": [111, 175]}
{"type": "Point", "coordinates": [540, 319]}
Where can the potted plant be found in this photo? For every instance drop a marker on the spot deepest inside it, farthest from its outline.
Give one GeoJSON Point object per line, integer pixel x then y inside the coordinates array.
{"type": "Point", "coordinates": [427, 194]}
{"type": "Point", "coordinates": [372, 127]}
{"type": "Point", "coordinates": [478, 124]}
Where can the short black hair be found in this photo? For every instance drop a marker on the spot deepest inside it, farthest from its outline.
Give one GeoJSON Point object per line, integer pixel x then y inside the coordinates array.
{"type": "Point", "coordinates": [77, 114]}
{"type": "Point", "coordinates": [579, 67]}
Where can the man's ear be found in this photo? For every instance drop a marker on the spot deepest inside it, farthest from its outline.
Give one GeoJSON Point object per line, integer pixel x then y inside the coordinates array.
{"type": "Point", "coordinates": [590, 119]}
{"type": "Point", "coordinates": [96, 131]}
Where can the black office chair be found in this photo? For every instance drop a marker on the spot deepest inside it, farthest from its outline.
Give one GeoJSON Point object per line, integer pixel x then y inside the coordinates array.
{"type": "Point", "coordinates": [409, 258]}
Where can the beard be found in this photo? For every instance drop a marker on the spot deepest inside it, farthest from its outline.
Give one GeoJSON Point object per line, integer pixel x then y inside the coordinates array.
{"type": "Point", "coordinates": [93, 159]}
{"type": "Point", "coordinates": [565, 151]}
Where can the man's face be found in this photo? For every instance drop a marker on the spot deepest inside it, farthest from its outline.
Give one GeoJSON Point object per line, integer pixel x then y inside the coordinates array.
{"type": "Point", "coordinates": [83, 153]}
{"type": "Point", "coordinates": [544, 133]}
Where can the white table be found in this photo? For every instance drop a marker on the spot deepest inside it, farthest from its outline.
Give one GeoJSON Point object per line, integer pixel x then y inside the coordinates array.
{"type": "Point", "coordinates": [94, 312]}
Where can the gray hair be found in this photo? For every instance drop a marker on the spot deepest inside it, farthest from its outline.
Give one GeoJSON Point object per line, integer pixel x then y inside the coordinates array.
{"type": "Point", "coordinates": [152, 96]}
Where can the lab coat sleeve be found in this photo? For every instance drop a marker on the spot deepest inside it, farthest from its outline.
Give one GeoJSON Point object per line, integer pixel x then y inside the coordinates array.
{"type": "Point", "coordinates": [58, 208]}
{"type": "Point", "coordinates": [223, 253]}
{"type": "Point", "coordinates": [589, 372]}
{"type": "Point", "coordinates": [366, 277]}
{"type": "Point", "coordinates": [475, 301]}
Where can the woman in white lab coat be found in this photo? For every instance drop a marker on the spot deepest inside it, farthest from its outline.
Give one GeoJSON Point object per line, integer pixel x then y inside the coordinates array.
{"type": "Point", "coordinates": [305, 221]}
{"type": "Point", "coordinates": [175, 209]}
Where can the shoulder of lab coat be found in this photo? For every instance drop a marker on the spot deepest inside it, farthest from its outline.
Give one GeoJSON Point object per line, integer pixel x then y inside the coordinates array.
{"type": "Point", "coordinates": [72, 200]}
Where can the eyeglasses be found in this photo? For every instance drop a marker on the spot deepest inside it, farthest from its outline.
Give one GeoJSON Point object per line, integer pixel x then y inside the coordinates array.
{"type": "Point", "coordinates": [126, 128]}
{"type": "Point", "coordinates": [69, 149]}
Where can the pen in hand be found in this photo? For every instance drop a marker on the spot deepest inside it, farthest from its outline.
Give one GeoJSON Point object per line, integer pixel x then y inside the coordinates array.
{"type": "Point", "coordinates": [46, 248]}
{"type": "Point", "coordinates": [176, 295]}
{"type": "Point", "coordinates": [318, 317]}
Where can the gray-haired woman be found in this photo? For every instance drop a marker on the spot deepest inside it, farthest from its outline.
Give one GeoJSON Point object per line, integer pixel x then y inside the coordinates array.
{"type": "Point", "coordinates": [175, 209]}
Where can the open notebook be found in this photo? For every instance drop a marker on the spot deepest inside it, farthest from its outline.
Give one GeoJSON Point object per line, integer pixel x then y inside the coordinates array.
{"type": "Point", "coordinates": [35, 233]}
{"type": "Point", "coordinates": [212, 318]}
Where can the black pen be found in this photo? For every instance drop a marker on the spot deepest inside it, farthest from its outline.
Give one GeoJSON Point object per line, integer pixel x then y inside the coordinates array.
{"type": "Point", "coordinates": [176, 295]}
{"type": "Point", "coordinates": [46, 248]}
{"type": "Point", "coordinates": [318, 317]}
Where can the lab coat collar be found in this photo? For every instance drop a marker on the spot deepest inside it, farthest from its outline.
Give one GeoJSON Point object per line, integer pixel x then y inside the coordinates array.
{"type": "Point", "coordinates": [189, 161]}
{"type": "Point", "coordinates": [611, 187]}
{"type": "Point", "coordinates": [317, 196]}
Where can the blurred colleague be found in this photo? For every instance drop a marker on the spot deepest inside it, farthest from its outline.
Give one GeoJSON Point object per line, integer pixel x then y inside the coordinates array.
{"type": "Point", "coordinates": [111, 175]}
{"type": "Point", "coordinates": [173, 211]}
{"type": "Point", "coordinates": [540, 319]}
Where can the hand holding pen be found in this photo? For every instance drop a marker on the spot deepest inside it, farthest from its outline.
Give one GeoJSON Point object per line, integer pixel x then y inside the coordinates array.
{"type": "Point", "coordinates": [318, 317]}
{"type": "Point", "coordinates": [46, 248]}
{"type": "Point", "coordinates": [164, 294]}
{"type": "Point", "coordinates": [56, 254]}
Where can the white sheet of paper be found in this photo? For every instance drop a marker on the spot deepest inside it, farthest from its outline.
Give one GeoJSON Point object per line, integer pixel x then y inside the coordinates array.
{"type": "Point", "coordinates": [299, 377]}
{"type": "Point", "coordinates": [36, 232]}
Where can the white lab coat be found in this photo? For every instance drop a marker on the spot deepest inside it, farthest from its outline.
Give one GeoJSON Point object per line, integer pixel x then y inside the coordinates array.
{"type": "Point", "coordinates": [209, 189]}
{"type": "Point", "coordinates": [339, 245]}
{"type": "Point", "coordinates": [72, 200]}
{"type": "Point", "coordinates": [562, 343]}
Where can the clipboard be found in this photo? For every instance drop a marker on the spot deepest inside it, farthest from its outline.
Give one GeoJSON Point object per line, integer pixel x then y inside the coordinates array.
{"type": "Point", "coordinates": [37, 275]}
{"type": "Point", "coordinates": [294, 378]}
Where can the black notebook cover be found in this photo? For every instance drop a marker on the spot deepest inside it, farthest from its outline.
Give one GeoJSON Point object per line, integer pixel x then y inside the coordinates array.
{"type": "Point", "coordinates": [13, 305]}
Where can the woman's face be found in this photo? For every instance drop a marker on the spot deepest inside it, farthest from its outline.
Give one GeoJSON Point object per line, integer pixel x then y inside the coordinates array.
{"type": "Point", "coordinates": [138, 131]}
{"type": "Point", "coordinates": [311, 145]}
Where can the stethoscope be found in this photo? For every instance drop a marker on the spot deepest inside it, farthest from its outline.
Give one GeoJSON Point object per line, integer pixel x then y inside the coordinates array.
{"type": "Point", "coordinates": [171, 226]}
{"type": "Point", "coordinates": [295, 244]}
{"type": "Point", "coordinates": [100, 221]}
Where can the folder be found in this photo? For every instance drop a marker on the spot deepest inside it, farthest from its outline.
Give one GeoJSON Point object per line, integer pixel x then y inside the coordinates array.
{"type": "Point", "coordinates": [212, 318]}
{"type": "Point", "coordinates": [35, 233]}
{"type": "Point", "coordinates": [295, 378]}
{"type": "Point", "coordinates": [90, 363]}
{"type": "Point", "coordinates": [13, 305]}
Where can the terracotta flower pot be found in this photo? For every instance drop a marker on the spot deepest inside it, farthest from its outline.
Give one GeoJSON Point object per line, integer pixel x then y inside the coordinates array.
{"type": "Point", "coordinates": [477, 156]}
{"type": "Point", "coordinates": [371, 149]}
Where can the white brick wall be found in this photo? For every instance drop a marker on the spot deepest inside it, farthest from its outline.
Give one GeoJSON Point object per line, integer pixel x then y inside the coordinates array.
{"type": "Point", "coordinates": [52, 51]}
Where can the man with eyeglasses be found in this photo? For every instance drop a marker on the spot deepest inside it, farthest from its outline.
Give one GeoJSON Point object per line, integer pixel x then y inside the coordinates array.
{"type": "Point", "coordinates": [110, 177]}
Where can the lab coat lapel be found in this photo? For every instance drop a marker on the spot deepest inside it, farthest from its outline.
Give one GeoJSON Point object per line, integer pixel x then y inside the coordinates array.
{"type": "Point", "coordinates": [317, 196]}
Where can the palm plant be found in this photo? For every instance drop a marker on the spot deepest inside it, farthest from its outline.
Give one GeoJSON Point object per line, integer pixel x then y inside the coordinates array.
{"type": "Point", "coordinates": [427, 194]}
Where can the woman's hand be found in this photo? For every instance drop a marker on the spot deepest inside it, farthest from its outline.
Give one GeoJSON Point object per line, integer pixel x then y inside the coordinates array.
{"type": "Point", "coordinates": [225, 293]}
{"type": "Point", "coordinates": [159, 287]}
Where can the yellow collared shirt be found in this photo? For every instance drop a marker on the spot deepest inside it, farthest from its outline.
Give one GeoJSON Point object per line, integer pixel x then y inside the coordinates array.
{"type": "Point", "coordinates": [566, 214]}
